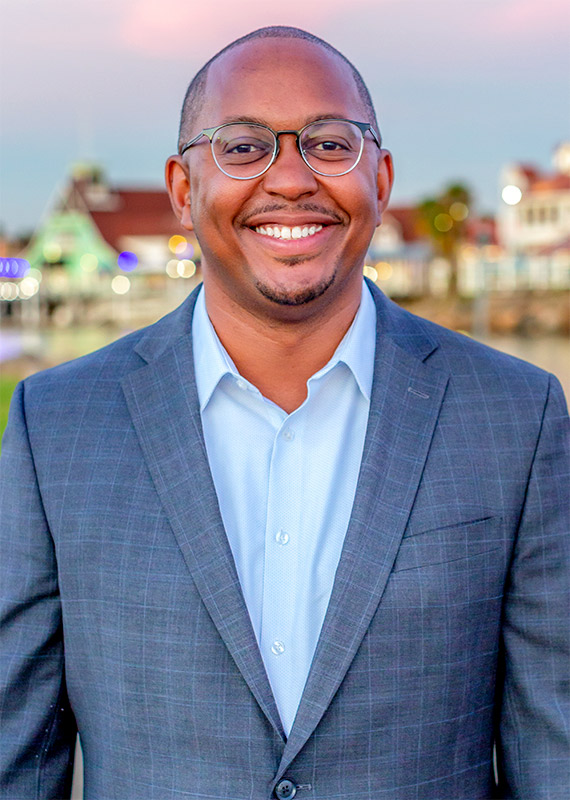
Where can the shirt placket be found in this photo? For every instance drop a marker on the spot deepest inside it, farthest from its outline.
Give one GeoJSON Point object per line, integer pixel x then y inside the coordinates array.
{"type": "Point", "coordinates": [282, 553]}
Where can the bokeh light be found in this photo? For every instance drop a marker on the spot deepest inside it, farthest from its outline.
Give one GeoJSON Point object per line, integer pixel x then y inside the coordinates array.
{"type": "Point", "coordinates": [52, 251]}
{"type": "Point", "coordinates": [9, 291]}
{"type": "Point", "coordinates": [29, 287]}
{"type": "Point", "coordinates": [172, 268]}
{"type": "Point", "coordinates": [458, 211]}
{"type": "Point", "coordinates": [177, 244]}
{"type": "Point", "coordinates": [511, 195]}
{"type": "Point", "coordinates": [127, 261]}
{"type": "Point", "coordinates": [371, 273]}
{"type": "Point", "coordinates": [88, 262]}
{"type": "Point", "coordinates": [14, 267]}
{"type": "Point", "coordinates": [120, 284]}
{"type": "Point", "coordinates": [384, 270]}
{"type": "Point", "coordinates": [443, 223]}
{"type": "Point", "coordinates": [186, 268]}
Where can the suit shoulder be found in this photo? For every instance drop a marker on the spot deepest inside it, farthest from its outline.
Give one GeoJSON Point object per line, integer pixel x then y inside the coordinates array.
{"type": "Point", "coordinates": [113, 359]}
{"type": "Point", "coordinates": [100, 372]}
{"type": "Point", "coordinates": [459, 348]}
{"type": "Point", "coordinates": [474, 368]}
{"type": "Point", "coordinates": [111, 363]}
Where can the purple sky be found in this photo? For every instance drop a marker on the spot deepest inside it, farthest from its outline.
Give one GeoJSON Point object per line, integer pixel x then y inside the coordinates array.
{"type": "Point", "coordinates": [460, 86]}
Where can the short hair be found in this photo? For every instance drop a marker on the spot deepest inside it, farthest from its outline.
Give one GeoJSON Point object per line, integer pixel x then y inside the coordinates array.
{"type": "Point", "coordinates": [194, 98]}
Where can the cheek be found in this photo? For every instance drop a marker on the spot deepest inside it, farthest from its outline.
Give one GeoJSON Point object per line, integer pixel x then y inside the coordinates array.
{"type": "Point", "coordinates": [215, 204]}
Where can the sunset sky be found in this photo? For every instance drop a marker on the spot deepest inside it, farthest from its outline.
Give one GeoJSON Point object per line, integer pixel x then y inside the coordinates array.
{"type": "Point", "coordinates": [461, 86]}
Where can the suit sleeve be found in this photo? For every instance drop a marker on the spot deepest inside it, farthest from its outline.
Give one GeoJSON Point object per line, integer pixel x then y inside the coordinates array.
{"type": "Point", "coordinates": [38, 728]}
{"type": "Point", "coordinates": [534, 748]}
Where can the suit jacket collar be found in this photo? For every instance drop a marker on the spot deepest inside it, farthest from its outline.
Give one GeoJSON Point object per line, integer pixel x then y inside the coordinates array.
{"type": "Point", "coordinates": [164, 407]}
{"type": "Point", "coordinates": [406, 396]}
{"type": "Point", "coordinates": [407, 331]}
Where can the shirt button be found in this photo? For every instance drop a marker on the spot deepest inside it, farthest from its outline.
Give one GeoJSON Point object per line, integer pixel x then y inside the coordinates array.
{"type": "Point", "coordinates": [282, 537]}
{"type": "Point", "coordinates": [288, 435]}
{"type": "Point", "coordinates": [285, 790]}
{"type": "Point", "coordinates": [241, 384]}
{"type": "Point", "coordinates": [277, 648]}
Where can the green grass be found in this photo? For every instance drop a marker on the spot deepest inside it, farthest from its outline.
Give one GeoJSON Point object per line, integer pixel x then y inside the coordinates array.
{"type": "Point", "coordinates": [7, 386]}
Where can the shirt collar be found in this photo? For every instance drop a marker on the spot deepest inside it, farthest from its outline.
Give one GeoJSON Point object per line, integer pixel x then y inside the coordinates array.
{"type": "Point", "coordinates": [358, 346]}
{"type": "Point", "coordinates": [356, 350]}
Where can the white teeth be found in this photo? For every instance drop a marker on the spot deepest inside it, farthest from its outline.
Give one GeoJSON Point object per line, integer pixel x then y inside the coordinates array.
{"type": "Point", "coordinates": [286, 232]}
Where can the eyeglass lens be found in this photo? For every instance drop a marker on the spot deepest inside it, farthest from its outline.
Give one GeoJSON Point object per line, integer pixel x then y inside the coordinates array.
{"type": "Point", "coordinates": [330, 147]}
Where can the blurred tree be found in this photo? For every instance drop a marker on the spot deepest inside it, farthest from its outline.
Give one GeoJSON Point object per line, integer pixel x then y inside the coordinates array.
{"type": "Point", "coordinates": [443, 219]}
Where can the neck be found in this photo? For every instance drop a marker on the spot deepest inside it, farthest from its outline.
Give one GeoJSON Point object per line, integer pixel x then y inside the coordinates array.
{"type": "Point", "coordinates": [278, 356]}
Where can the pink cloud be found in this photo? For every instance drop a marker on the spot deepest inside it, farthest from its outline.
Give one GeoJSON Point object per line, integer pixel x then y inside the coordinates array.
{"type": "Point", "coordinates": [175, 28]}
{"type": "Point", "coordinates": [522, 18]}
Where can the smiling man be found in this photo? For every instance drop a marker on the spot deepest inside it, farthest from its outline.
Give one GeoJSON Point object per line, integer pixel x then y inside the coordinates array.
{"type": "Point", "coordinates": [283, 236]}
{"type": "Point", "coordinates": [289, 541]}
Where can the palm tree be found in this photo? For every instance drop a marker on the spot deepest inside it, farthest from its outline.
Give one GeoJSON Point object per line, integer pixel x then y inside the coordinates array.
{"type": "Point", "coordinates": [444, 220]}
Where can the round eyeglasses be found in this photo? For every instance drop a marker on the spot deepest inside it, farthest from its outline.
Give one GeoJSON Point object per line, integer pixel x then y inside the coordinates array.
{"type": "Point", "coordinates": [244, 150]}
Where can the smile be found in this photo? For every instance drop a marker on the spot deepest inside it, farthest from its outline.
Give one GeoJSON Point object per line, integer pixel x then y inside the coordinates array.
{"type": "Point", "coordinates": [287, 232]}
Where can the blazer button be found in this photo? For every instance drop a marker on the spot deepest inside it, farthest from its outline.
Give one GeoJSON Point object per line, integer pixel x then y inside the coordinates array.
{"type": "Point", "coordinates": [285, 790]}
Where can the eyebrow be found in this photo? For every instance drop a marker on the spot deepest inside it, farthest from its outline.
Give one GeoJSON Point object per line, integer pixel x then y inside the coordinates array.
{"type": "Point", "coordinates": [259, 121]}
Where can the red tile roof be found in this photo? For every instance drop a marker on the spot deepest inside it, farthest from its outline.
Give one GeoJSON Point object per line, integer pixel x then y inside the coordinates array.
{"type": "Point", "coordinates": [551, 183]}
{"type": "Point", "coordinates": [119, 212]}
{"type": "Point", "coordinates": [138, 213]}
{"type": "Point", "coordinates": [408, 220]}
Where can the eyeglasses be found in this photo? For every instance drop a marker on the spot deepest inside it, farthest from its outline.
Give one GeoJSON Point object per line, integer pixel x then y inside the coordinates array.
{"type": "Point", "coordinates": [245, 150]}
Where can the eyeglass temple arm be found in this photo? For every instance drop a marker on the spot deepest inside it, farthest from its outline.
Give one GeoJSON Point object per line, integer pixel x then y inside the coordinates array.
{"type": "Point", "coordinates": [208, 132]}
{"type": "Point", "coordinates": [365, 126]}
{"type": "Point", "coordinates": [190, 143]}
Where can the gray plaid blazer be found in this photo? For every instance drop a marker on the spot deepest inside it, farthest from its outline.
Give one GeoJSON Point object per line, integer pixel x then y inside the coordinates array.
{"type": "Point", "coordinates": [447, 629]}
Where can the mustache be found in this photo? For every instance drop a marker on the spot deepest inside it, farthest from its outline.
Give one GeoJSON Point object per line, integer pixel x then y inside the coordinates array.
{"type": "Point", "coordinates": [269, 208]}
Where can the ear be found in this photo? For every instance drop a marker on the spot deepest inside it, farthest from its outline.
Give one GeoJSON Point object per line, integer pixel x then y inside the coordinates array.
{"type": "Point", "coordinates": [385, 181]}
{"type": "Point", "coordinates": [178, 185]}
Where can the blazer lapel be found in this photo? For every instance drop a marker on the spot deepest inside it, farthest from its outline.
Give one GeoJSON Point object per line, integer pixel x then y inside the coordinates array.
{"type": "Point", "coordinates": [163, 403]}
{"type": "Point", "coordinates": [405, 402]}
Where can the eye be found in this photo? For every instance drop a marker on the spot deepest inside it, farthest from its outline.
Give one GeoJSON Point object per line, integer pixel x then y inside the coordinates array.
{"type": "Point", "coordinates": [242, 149]}
{"type": "Point", "coordinates": [329, 144]}
{"type": "Point", "coordinates": [328, 148]}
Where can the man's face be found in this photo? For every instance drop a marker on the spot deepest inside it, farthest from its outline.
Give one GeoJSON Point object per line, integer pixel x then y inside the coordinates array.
{"type": "Point", "coordinates": [283, 83]}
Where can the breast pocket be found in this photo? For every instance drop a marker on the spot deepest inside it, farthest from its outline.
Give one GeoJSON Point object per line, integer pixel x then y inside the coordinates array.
{"type": "Point", "coordinates": [460, 540]}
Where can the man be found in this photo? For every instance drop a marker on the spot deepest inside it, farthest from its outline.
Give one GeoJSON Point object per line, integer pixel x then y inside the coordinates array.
{"type": "Point", "coordinates": [290, 540]}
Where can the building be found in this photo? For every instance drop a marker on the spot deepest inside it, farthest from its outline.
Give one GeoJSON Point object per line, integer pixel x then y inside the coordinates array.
{"type": "Point", "coordinates": [97, 242]}
{"type": "Point", "coordinates": [534, 223]}
{"type": "Point", "coordinates": [399, 256]}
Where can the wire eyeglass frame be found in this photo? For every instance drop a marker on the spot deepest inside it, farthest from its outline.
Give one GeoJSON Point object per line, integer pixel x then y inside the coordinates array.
{"type": "Point", "coordinates": [210, 133]}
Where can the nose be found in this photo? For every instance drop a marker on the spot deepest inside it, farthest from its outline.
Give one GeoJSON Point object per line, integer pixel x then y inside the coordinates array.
{"type": "Point", "coordinates": [289, 176]}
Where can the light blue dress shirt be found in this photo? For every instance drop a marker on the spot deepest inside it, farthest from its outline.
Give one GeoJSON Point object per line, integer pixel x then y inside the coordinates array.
{"type": "Point", "coordinates": [285, 485]}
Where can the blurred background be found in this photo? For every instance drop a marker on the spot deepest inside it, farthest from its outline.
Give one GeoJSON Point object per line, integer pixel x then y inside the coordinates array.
{"type": "Point", "coordinates": [472, 97]}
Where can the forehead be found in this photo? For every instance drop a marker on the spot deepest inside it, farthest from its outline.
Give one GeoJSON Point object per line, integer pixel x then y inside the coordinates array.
{"type": "Point", "coordinates": [283, 82]}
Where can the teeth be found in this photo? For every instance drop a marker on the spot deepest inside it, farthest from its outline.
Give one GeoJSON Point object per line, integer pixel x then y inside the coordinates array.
{"type": "Point", "coordinates": [285, 232]}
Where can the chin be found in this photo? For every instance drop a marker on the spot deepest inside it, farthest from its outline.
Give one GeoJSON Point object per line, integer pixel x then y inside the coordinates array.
{"type": "Point", "coordinates": [295, 297]}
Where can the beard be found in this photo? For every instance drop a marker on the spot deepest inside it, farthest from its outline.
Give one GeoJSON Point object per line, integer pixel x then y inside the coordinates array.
{"type": "Point", "coordinates": [295, 297]}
